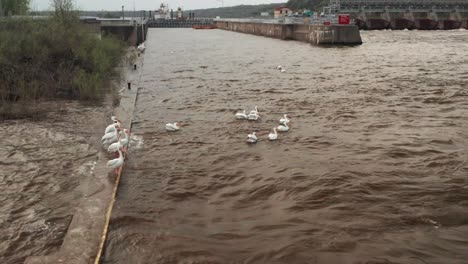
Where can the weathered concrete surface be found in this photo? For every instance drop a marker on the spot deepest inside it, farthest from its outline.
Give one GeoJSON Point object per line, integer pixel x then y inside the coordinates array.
{"type": "Point", "coordinates": [423, 20]}
{"type": "Point", "coordinates": [82, 241]}
{"type": "Point", "coordinates": [335, 34]}
{"type": "Point", "coordinates": [314, 34]}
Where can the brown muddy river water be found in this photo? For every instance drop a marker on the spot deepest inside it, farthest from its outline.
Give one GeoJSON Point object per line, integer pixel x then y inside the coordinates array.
{"type": "Point", "coordinates": [44, 166]}
{"type": "Point", "coordinates": [373, 170]}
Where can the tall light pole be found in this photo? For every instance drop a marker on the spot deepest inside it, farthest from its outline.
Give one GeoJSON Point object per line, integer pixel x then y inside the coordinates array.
{"type": "Point", "coordinates": [222, 2]}
{"type": "Point", "coordinates": [123, 14]}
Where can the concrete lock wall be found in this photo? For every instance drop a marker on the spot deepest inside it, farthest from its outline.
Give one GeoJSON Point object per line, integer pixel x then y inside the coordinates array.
{"type": "Point", "coordinates": [408, 19]}
{"type": "Point", "coordinates": [314, 34]}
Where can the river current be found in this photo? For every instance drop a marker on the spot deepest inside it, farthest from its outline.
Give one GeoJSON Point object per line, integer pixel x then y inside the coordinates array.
{"type": "Point", "coordinates": [373, 170]}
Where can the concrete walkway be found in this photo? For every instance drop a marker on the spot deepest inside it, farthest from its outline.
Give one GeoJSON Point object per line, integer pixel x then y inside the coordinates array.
{"type": "Point", "coordinates": [85, 233]}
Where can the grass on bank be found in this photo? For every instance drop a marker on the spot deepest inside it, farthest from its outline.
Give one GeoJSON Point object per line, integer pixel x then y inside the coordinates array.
{"type": "Point", "coordinates": [53, 59]}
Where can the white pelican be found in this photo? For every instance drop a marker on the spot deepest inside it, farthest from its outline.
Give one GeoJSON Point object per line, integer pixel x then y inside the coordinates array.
{"type": "Point", "coordinates": [172, 127]}
{"type": "Point", "coordinates": [274, 135]}
{"type": "Point", "coordinates": [283, 128]}
{"type": "Point", "coordinates": [110, 138]}
{"type": "Point", "coordinates": [115, 119]}
{"type": "Point", "coordinates": [279, 67]}
{"type": "Point", "coordinates": [284, 120]}
{"type": "Point", "coordinates": [141, 47]}
{"type": "Point", "coordinates": [254, 117]}
{"type": "Point", "coordinates": [283, 70]}
{"type": "Point", "coordinates": [252, 138]}
{"type": "Point", "coordinates": [241, 115]}
{"type": "Point", "coordinates": [123, 142]}
{"type": "Point", "coordinates": [255, 111]}
{"type": "Point", "coordinates": [114, 147]}
{"type": "Point", "coordinates": [113, 127]}
{"type": "Point", "coordinates": [116, 163]}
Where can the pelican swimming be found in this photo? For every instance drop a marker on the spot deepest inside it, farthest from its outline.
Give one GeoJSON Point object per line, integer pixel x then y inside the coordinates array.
{"type": "Point", "coordinates": [110, 138]}
{"type": "Point", "coordinates": [112, 127]}
{"type": "Point", "coordinates": [116, 163]}
{"type": "Point", "coordinates": [241, 115]}
{"type": "Point", "coordinates": [252, 138]}
{"type": "Point", "coordinates": [172, 127]}
{"type": "Point", "coordinates": [279, 67]}
{"type": "Point", "coordinates": [283, 128]}
{"type": "Point", "coordinates": [253, 117]}
{"type": "Point", "coordinates": [283, 70]}
{"type": "Point", "coordinates": [274, 135]}
{"type": "Point", "coordinates": [284, 120]}
{"type": "Point", "coordinates": [255, 111]}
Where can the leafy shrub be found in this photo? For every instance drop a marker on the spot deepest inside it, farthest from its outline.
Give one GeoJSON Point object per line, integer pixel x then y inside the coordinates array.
{"type": "Point", "coordinates": [54, 58]}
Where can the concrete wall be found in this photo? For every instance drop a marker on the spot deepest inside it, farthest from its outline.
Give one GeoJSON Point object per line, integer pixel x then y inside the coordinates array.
{"type": "Point", "coordinates": [422, 20]}
{"type": "Point", "coordinates": [314, 34]}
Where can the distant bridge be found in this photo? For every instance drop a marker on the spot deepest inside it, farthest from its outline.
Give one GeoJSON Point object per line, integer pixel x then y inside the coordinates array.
{"type": "Point", "coordinates": [401, 14]}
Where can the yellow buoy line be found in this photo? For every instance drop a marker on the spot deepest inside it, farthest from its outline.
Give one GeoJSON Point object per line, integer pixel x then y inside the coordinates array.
{"type": "Point", "coordinates": [112, 201]}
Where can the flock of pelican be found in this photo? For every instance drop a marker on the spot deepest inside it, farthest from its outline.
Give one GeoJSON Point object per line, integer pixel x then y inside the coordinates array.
{"type": "Point", "coordinates": [254, 115]}
{"type": "Point", "coordinates": [115, 140]}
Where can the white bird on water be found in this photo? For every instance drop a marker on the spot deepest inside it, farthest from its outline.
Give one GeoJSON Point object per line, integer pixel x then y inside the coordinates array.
{"type": "Point", "coordinates": [172, 127]}
{"type": "Point", "coordinates": [274, 135]}
{"type": "Point", "coordinates": [255, 111]}
{"type": "Point", "coordinates": [253, 116]}
{"type": "Point", "coordinates": [283, 128]}
{"type": "Point", "coordinates": [112, 127]}
{"type": "Point", "coordinates": [116, 163]}
{"type": "Point", "coordinates": [110, 138]}
{"type": "Point", "coordinates": [283, 70]}
{"type": "Point", "coordinates": [252, 138]}
{"type": "Point", "coordinates": [123, 142]}
{"type": "Point", "coordinates": [279, 67]}
{"type": "Point", "coordinates": [241, 115]}
{"type": "Point", "coordinates": [284, 120]}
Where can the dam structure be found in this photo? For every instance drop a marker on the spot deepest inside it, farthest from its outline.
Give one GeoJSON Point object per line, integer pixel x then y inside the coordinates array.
{"type": "Point", "coordinates": [313, 32]}
{"type": "Point", "coordinates": [404, 14]}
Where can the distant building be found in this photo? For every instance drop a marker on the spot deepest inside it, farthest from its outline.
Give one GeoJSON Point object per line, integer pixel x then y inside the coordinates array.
{"type": "Point", "coordinates": [264, 14]}
{"type": "Point", "coordinates": [282, 12]}
{"type": "Point", "coordinates": [163, 12]}
{"type": "Point", "coordinates": [180, 13]}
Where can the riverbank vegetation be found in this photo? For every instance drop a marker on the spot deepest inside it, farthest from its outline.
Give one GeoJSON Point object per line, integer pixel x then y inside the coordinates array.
{"type": "Point", "coordinates": [54, 58]}
{"type": "Point", "coordinates": [315, 5]}
{"type": "Point", "coordinates": [13, 7]}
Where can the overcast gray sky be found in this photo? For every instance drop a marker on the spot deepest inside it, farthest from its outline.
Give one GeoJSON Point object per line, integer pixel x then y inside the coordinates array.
{"type": "Point", "coordinates": [150, 4]}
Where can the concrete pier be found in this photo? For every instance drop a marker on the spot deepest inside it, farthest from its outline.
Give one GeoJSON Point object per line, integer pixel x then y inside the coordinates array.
{"type": "Point", "coordinates": [315, 34]}
{"type": "Point", "coordinates": [404, 14]}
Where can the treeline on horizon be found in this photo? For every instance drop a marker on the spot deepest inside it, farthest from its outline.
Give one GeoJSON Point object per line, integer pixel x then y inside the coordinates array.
{"type": "Point", "coordinates": [240, 11]}
{"type": "Point", "coordinates": [246, 11]}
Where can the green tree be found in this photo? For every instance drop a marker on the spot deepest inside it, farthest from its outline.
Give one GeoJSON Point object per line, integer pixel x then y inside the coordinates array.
{"type": "Point", "coordinates": [64, 12]}
{"type": "Point", "coordinates": [14, 7]}
{"type": "Point", "coordinates": [307, 4]}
